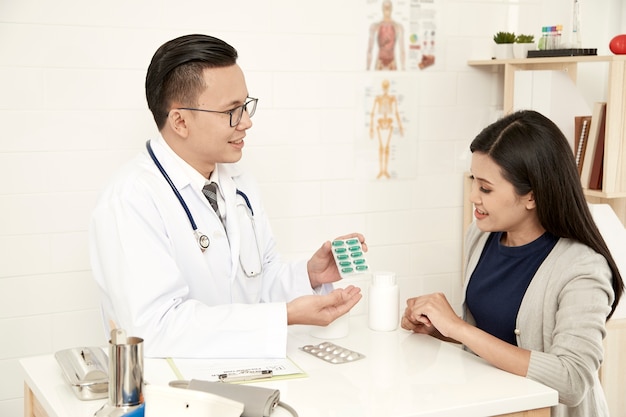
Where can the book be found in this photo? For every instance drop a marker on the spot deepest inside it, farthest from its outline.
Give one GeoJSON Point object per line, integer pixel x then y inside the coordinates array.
{"type": "Point", "coordinates": [581, 133]}
{"type": "Point", "coordinates": [595, 179]}
{"type": "Point", "coordinates": [597, 116]}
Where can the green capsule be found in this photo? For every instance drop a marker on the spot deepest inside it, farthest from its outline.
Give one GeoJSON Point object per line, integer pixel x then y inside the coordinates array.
{"type": "Point", "coordinates": [338, 243]}
{"type": "Point", "coordinates": [352, 241]}
{"type": "Point", "coordinates": [342, 257]}
{"type": "Point", "coordinates": [346, 270]}
{"type": "Point", "coordinates": [356, 254]}
{"type": "Point", "coordinates": [361, 268]}
{"type": "Point", "coordinates": [345, 263]}
{"type": "Point", "coordinates": [354, 248]}
{"type": "Point", "coordinates": [340, 250]}
{"type": "Point", "coordinates": [359, 261]}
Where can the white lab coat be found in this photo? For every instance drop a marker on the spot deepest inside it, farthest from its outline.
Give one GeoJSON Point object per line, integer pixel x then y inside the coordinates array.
{"type": "Point", "coordinates": [157, 284]}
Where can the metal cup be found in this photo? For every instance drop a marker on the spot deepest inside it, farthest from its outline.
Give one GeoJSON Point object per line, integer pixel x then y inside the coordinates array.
{"type": "Point", "coordinates": [125, 375]}
{"type": "Point", "coordinates": [126, 372]}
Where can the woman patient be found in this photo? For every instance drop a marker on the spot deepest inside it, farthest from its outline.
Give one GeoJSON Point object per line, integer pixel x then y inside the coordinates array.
{"type": "Point", "coordinates": [540, 281]}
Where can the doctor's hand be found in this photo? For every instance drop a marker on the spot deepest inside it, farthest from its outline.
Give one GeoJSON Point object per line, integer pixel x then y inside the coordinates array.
{"type": "Point", "coordinates": [322, 268]}
{"type": "Point", "coordinates": [321, 310]}
{"type": "Point", "coordinates": [432, 314]}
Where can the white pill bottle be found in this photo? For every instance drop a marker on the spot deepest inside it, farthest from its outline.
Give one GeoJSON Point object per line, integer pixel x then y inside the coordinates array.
{"type": "Point", "coordinates": [384, 302]}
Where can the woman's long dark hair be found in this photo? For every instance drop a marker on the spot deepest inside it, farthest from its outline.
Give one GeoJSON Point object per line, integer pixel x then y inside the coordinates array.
{"type": "Point", "coordinates": [534, 155]}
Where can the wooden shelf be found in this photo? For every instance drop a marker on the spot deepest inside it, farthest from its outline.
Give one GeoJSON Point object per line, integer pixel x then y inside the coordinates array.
{"type": "Point", "coordinates": [602, 194]}
{"type": "Point", "coordinates": [548, 60]}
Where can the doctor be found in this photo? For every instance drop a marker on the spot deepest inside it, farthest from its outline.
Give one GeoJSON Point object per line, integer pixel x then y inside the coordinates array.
{"type": "Point", "coordinates": [191, 280]}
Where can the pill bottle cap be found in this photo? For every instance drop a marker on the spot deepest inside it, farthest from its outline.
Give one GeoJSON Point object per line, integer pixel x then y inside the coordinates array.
{"type": "Point", "coordinates": [384, 278]}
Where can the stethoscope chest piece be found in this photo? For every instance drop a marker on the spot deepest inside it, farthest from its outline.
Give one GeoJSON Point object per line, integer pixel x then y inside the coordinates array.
{"type": "Point", "coordinates": [203, 240]}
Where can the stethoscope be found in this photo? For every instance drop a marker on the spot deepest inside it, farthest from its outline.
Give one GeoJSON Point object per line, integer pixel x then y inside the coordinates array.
{"type": "Point", "coordinates": [203, 240]}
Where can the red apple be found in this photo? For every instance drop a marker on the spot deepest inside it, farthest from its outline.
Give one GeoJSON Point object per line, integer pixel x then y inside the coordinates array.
{"type": "Point", "coordinates": [618, 45]}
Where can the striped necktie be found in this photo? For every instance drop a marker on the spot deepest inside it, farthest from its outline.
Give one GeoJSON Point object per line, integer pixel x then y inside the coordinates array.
{"type": "Point", "coordinates": [210, 192]}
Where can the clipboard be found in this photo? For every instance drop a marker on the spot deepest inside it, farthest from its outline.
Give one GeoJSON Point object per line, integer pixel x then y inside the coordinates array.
{"type": "Point", "coordinates": [211, 369]}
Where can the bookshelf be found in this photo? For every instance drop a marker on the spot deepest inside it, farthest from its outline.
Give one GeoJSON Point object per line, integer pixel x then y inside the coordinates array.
{"type": "Point", "coordinates": [613, 190]}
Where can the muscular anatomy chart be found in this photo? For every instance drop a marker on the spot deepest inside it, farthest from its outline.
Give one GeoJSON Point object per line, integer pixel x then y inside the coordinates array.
{"type": "Point", "coordinates": [401, 34]}
{"type": "Point", "coordinates": [387, 35]}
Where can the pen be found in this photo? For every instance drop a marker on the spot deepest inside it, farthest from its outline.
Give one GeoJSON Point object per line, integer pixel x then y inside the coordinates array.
{"type": "Point", "coordinates": [245, 376]}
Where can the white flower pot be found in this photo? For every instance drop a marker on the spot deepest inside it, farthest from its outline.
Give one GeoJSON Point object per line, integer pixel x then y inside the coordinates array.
{"type": "Point", "coordinates": [520, 50]}
{"type": "Point", "coordinates": [503, 51]}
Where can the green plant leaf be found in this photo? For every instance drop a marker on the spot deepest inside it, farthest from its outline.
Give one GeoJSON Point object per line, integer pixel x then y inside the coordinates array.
{"type": "Point", "coordinates": [504, 37]}
{"type": "Point", "coordinates": [525, 39]}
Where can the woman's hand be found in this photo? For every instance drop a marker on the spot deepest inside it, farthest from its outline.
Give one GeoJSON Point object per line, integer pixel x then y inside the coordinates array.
{"type": "Point", "coordinates": [431, 314]}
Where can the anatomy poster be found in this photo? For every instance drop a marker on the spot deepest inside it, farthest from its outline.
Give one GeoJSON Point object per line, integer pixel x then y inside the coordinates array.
{"type": "Point", "coordinates": [401, 35]}
{"type": "Point", "coordinates": [388, 145]}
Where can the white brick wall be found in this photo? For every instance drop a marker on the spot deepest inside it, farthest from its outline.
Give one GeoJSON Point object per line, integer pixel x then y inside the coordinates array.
{"type": "Point", "coordinates": [72, 109]}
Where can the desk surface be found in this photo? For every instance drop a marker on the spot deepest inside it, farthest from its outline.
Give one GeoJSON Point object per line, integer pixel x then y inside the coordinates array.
{"type": "Point", "coordinates": [403, 375]}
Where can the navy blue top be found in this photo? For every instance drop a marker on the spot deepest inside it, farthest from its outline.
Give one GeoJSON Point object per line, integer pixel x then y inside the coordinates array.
{"type": "Point", "coordinates": [499, 282]}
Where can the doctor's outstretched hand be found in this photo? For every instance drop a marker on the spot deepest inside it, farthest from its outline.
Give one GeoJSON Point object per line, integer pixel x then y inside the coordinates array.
{"type": "Point", "coordinates": [321, 310]}
{"type": "Point", "coordinates": [322, 268]}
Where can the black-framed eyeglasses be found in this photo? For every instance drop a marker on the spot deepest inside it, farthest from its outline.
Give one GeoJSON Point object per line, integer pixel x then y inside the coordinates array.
{"type": "Point", "coordinates": [235, 114]}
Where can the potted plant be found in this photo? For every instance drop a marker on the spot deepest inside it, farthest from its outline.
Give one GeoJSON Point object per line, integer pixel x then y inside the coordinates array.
{"type": "Point", "coordinates": [523, 44]}
{"type": "Point", "coordinates": [503, 48]}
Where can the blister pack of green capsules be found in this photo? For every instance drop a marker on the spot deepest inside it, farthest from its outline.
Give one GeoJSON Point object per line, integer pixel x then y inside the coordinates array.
{"type": "Point", "coordinates": [332, 353]}
{"type": "Point", "coordinates": [349, 256]}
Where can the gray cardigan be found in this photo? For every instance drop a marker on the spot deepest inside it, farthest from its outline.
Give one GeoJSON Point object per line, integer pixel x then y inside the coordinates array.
{"type": "Point", "coordinates": [562, 322]}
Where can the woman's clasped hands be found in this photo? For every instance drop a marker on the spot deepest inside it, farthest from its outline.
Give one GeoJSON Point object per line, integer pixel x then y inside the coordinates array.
{"type": "Point", "coordinates": [432, 314]}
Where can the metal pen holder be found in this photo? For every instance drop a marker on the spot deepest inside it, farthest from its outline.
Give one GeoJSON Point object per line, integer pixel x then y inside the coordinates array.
{"type": "Point", "coordinates": [125, 375]}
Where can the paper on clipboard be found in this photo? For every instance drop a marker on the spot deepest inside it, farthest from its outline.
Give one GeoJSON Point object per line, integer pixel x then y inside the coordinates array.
{"type": "Point", "coordinates": [210, 369]}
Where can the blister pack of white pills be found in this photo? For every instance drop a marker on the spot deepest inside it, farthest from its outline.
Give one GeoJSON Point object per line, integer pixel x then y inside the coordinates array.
{"type": "Point", "coordinates": [332, 353]}
{"type": "Point", "coordinates": [349, 257]}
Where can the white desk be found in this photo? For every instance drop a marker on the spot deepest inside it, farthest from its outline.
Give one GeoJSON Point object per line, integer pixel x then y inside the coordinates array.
{"type": "Point", "coordinates": [402, 375]}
